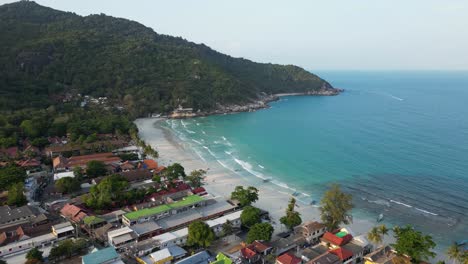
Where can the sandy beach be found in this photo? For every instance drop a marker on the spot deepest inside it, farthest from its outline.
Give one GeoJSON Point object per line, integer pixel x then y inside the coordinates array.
{"type": "Point", "coordinates": [221, 181]}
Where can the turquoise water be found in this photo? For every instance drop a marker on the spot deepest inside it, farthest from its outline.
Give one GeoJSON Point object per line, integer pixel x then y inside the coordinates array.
{"type": "Point", "coordinates": [398, 141]}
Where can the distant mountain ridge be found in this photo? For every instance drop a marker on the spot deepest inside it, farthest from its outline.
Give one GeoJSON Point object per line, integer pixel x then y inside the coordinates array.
{"type": "Point", "coordinates": [46, 53]}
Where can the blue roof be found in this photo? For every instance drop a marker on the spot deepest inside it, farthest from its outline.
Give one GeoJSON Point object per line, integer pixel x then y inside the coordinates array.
{"type": "Point", "coordinates": [101, 256]}
{"type": "Point", "coordinates": [200, 258]}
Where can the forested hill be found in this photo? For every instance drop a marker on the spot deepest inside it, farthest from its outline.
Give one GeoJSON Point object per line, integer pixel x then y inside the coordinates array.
{"type": "Point", "coordinates": [46, 54]}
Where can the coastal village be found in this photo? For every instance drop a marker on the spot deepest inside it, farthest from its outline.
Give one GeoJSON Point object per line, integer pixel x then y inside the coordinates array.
{"type": "Point", "coordinates": [111, 201]}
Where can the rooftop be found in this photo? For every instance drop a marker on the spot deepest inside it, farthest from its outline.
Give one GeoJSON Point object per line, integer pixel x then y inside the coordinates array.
{"type": "Point", "coordinates": [200, 258]}
{"type": "Point", "coordinates": [187, 201]}
{"type": "Point", "coordinates": [8, 214]}
{"type": "Point", "coordinates": [101, 256]}
{"type": "Point", "coordinates": [288, 258]}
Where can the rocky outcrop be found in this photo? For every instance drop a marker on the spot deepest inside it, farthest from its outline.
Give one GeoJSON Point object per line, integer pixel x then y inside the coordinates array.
{"type": "Point", "coordinates": [260, 103]}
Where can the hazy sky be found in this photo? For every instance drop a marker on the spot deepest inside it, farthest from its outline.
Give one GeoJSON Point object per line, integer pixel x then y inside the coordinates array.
{"type": "Point", "coordinates": [327, 34]}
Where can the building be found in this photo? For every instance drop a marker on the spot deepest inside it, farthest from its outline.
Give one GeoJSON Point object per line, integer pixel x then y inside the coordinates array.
{"type": "Point", "coordinates": [104, 256]}
{"type": "Point", "coordinates": [288, 258]}
{"type": "Point", "coordinates": [161, 211]}
{"type": "Point", "coordinates": [63, 230]}
{"type": "Point", "coordinates": [164, 256]}
{"type": "Point", "coordinates": [73, 213]}
{"type": "Point", "coordinates": [121, 238]}
{"type": "Point", "coordinates": [217, 224]}
{"type": "Point", "coordinates": [262, 247]}
{"type": "Point", "coordinates": [60, 175]}
{"type": "Point", "coordinates": [311, 231]}
{"type": "Point", "coordinates": [16, 216]}
{"type": "Point", "coordinates": [61, 163]}
{"type": "Point", "coordinates": [336, 239]}
{"type": "Point", "coordinates": [249, 255]}
{"type": "Point", "coordinates": [137, 175]}
{"type": "Point", "coordinates": [222, 259]}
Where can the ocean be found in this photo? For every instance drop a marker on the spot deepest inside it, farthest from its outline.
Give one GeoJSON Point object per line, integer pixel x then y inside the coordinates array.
{"type": "Point", "coordinates": [397, 141]}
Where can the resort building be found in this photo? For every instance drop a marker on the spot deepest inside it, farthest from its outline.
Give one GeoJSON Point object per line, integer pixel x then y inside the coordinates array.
{"type": "Point", "coordinates": [61, 163]}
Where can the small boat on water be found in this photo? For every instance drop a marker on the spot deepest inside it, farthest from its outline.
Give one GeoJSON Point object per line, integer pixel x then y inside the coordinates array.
{"type": "Point", "coordinates": [267, 180]}
{"type": "Point", "coordinates": [380, 218]}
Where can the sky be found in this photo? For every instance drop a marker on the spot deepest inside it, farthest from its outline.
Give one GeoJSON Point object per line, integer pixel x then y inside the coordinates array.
{"type": "Point", "coordinates": [320, 35]}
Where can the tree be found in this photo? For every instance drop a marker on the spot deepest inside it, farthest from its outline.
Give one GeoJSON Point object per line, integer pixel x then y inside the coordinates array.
{"type": "Point", "coordinates": [109, 191]}
{"type": "Point", "coordinates": [157, 178]}
{"type": "Point", "coordinates": [292, 218]}
{"type": "Point", "coordinates": [95, 168]}
{"type": "Point", "coordinates": [196, 177]}
{"type": "Point", "coordinates": [78, 172]}
{"type": "Point", "coordinates": [335, 207]}
{"type": "Point", "coordinates": [261, 231]}
{"type": "Point", "coordinates": [374, 235]}
{"type": "Point", "coordinates": [16, 196]}
{"type": "Point", "coordinates": [455, 254]}
{"type": "Point", "coordinates": [68, 248]}
{"type": "Point", "coordinates": [377, 233]}
{"type": "Point", "coordinates": [245, 196]}
{"type": "Point", "coordinates": [200, 234]}
{"type": "Point", "coordinates": [67, 185]}
{"type": "Point", "coordinates": [35, 254]}
{"type": "Point", "coordinates": [10, 175]}
{"type": "Point", "coordinates": [413, 244]}
{"type": "Point", "coordinates": [250, 216]}
{"type": "Point", "coordinates": [174, 172]}
{"type": "Point", "coordinates": [228, 228]}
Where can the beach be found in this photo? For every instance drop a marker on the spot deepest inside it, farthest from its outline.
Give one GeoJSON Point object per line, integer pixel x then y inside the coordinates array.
{"type": "Point", "coordinates": [220, 181]}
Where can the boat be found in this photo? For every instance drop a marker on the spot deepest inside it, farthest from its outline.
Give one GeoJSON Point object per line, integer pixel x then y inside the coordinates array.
{"type": "Point", "coordinates": [380, 218]}
{"type": "Point", "coordinates": [267, 180]}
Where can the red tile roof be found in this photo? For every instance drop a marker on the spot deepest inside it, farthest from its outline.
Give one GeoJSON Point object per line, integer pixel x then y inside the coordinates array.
{"type": "Point", "coordinates": [342, 253]}
{"type": "Point", "coordinates": [150, 164]}
{"type": "Point", "coordinates": [288, 258]}
{"type": "Point", "coordinates": [248, 253]}
{"type": "Point", "coordinates": [73, 212]}
{"type": "Point", "coordinates": [81, 161]}
{"type": "Point", "coordinates": [338, 241]}
{"type": "Point", "coordinates": [199, 190]}
{"type": "Point", "coordinates": [260, 246]}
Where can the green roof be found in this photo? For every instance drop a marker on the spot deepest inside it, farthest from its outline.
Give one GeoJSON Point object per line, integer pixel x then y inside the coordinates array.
{"type": "Point", "coordinates": [91, 220]}
{"type": "Point", "coordinates": [101, 256]}
{"type": "Point", "coordinates": [189, 200]}
{"type": "Point", "coordinates": [341, 234]}
{"type": "Point", "coordinates": [222, 259]}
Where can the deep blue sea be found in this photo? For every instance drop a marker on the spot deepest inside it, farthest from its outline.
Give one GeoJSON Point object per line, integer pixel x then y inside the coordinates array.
{"type": "Point", "coordinates": [398, 141]}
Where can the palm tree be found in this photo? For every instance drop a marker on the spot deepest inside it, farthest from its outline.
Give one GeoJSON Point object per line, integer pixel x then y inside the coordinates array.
{"type": "Point", "coordinates": [374, 235]}
{"type": "Point", "coordinates": [383, 230]}
{"type": "Point", "coordinates": [454, 253]}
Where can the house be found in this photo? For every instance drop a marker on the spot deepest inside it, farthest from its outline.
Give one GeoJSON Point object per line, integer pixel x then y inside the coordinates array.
{"type": "Point", "coordinates": [382, 255]}
{"type": "Point", "coordinates": [249, 255]}
{"type": "Point", "coordinates": [104, 256]}
{"type": "Point", "coordinates": [127, 165]}
{"type": "Point", "coordinates": [73, 213]}
{"type": "Point", "coordinates": [346, 256]}
{"type": "Point", "coordinates": [311, 231]}
{"type": "Point", "coordinates": [283, 245]}
{"type": "Point", "coordinates": [202, 257]}
{"type": "Point", "coordinates": [122, 237]}
{"type": "Point", "coordinates": [288, 258]}
{"type": "Point", "coordinates": [199, 191]}
{"type": "Point", "coordinates": [337, 238]}
{"type": "Point", "coordinates": [325, 258]}
{"type": "Point", "coordinates": [164, 256]}
{"type": "Point", "coordinates": [262, 247]}
{"type": "Point", "coordinates": [63, 230]}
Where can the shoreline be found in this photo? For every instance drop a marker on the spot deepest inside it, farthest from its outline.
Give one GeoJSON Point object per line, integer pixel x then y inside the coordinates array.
{"type": "Point", "coordinates": [261, 103]}
{"type": "Point", "coordinates": [220, 181]}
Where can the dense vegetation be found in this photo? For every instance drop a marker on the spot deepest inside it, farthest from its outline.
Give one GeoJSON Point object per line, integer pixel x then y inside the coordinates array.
{"type": "Point", "coordinates": [46, 55]}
